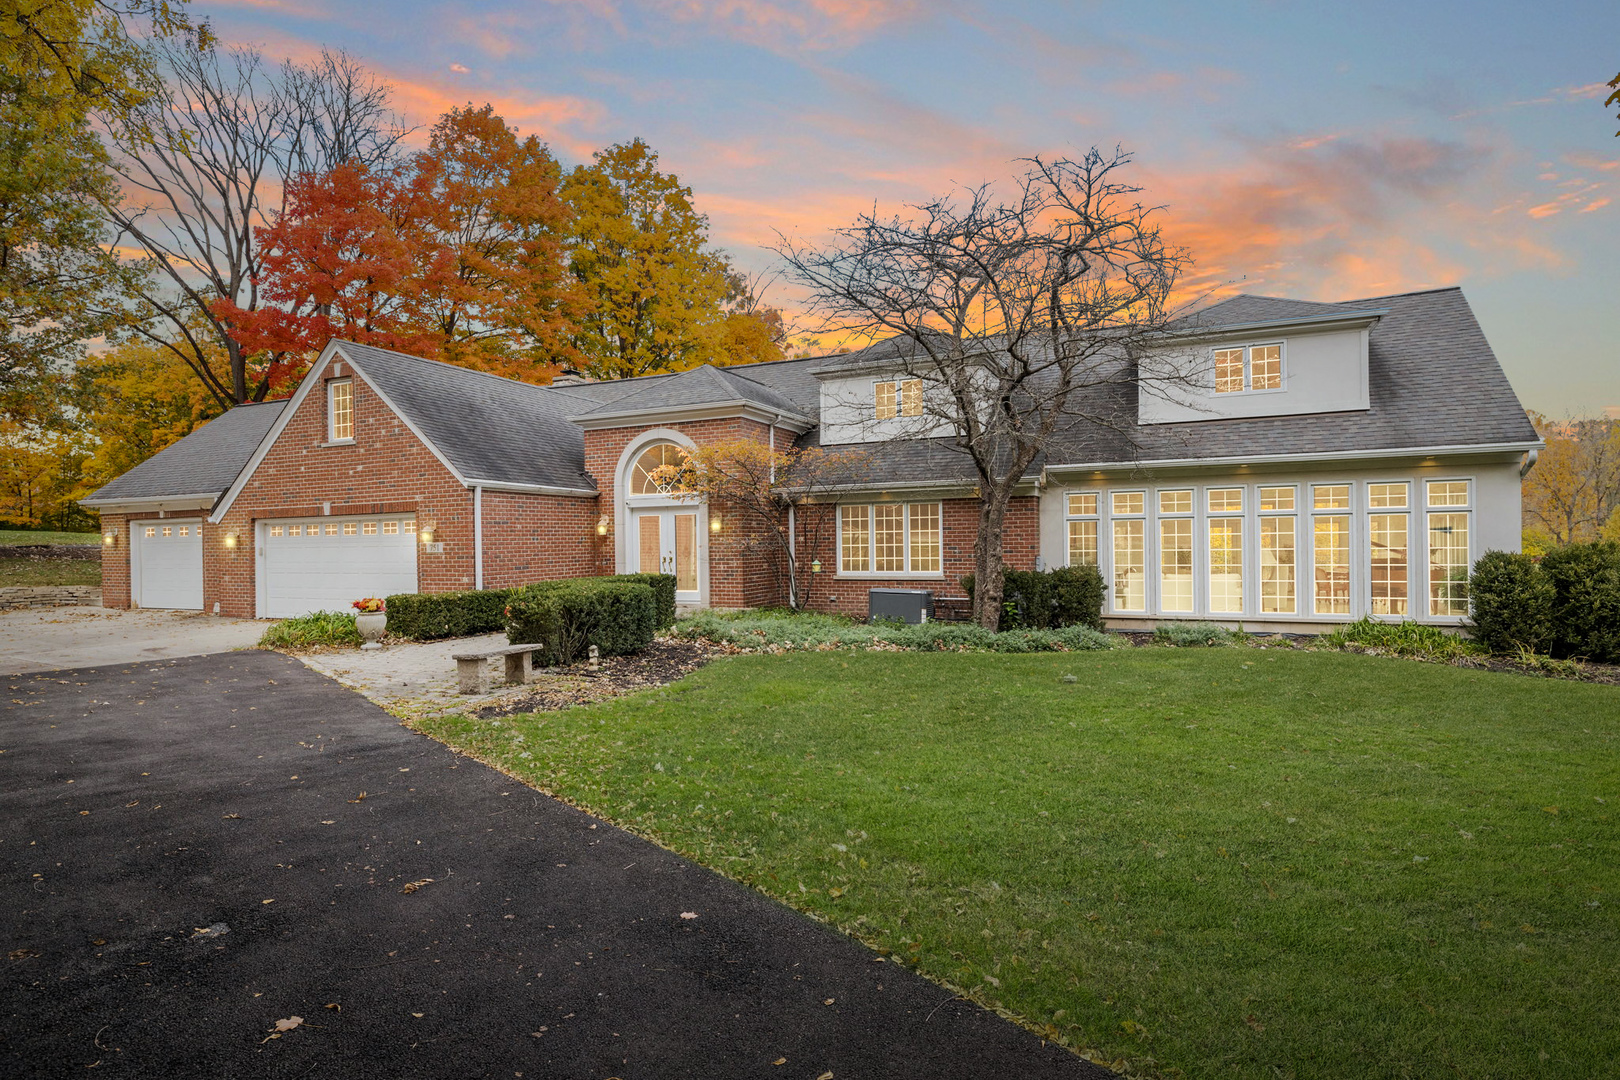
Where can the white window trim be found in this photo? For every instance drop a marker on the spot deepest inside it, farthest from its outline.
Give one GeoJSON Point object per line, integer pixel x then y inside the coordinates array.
{"type": "Point", "coordinates": [1155, 543]}
{"type": "Point", "coordinates": [871, 542]}
{"type": "Point", "coordinates": [1468, 508]}
{"type": "Point", "coordinates": [1417, 603]}
{"type": "Point", "coordinates": [1248, 374]}
{"type": "Point", "coordinates": [1294, 515]}
{"type": "Point", "coordinates": [1095, 517]}
{"type": "Point", "coordinates": [331, 412]}
{"type": "Point", "coordinates": [1149, 549]}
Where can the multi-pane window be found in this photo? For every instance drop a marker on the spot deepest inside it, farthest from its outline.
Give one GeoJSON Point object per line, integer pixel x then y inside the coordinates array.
{"type": "Point", "coordinates": [1176, 551]}
{"type": "Point", "coordinates": [650, 474]}
{"type": "Point", "coordinates": [1265, 367]}
{"type": "Point", "coordinates": [1082, 522]}
{"type": "Point", "coordinates": [390, 528]}
{"type": "Point", "coordinates": [349, 529]}
{"type": "Point", "coordinates": [1387, 536]}
{"type": "Point", "coordinates": [367, 528]}
{"type": "Point", "coordinates": [340, 410]}
{"type": "Point", "coordinates": [1448, 546]}
{"type": "Point", "coordinates": [1228, 371]}
{"type": "Point", "coordinates": [1130, 550]}
{"type": "Point", "coordinates": [889, 538]}
{"type": "Point", "coordinates": [1254, 367]}
{"type": "Point", "coordinates": [1330, 527]}
{"type": "Point", "coordinates": [900, 397]}
{"type": "Point", "coordinates": [1277, 542]}
{"type": "Point", "coordinates": [924, 533]}
{"type": "Point", "coordinates": [1225, 550]}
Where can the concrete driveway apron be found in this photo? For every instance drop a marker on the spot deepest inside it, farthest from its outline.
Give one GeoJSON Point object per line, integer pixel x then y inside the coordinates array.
{"type": "Point", "coordinates": [44, 639]}
{"type": "Point", "coordinates": [194, 850]}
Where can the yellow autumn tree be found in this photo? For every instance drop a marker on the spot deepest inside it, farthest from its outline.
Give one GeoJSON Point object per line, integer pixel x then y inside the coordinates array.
{"type": "Point", "coordinates": [138, 398]}
{"type": "Point", "coordinates": [659, 298]}
{"type": "Point", "coordinates": [1573, 493]}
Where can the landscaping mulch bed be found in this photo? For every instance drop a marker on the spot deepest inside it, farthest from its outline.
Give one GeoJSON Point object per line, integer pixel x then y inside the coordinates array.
{"type": "Point", "coordinates": [660, 664]}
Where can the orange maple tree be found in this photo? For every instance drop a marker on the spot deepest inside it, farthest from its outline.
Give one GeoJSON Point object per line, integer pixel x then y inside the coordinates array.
{"type": "Point", "coordinates": [455, 255]}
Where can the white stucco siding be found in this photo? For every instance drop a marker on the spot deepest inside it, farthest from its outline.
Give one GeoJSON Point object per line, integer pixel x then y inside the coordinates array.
{"type": "Point", "coordinates": [1324, 371]}
{"type": "Point", "coordinates": [1490, 515]}
{"type": "Point", "coordinates": [848, 412]}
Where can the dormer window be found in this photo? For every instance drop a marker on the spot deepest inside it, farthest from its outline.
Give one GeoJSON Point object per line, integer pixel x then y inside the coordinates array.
{"type": "Point", "coordinates": [1248, 367]}
{"type": "Point", "coordinates": [901, 397]}
{"type": "Point", "coordinates": [340, 410]}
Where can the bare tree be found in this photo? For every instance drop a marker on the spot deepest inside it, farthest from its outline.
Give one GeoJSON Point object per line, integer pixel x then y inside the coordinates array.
{"type": "Point", "coordinates": [1013, 314]}
{"type": "Point", "coordinates": [222, 141]}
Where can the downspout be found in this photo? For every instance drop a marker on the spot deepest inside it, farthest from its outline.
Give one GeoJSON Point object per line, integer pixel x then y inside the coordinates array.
{"type": "Point", "coordinates": [1529, 463]}
{"type": "Point", "coordinates": [478, 537]}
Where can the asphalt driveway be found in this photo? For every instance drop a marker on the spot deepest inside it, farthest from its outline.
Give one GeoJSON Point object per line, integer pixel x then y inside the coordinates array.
{"type": "Point", "coordinates": [193, 850]}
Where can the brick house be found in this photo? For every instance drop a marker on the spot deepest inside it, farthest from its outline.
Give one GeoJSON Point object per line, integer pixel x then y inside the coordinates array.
{"type": "Point", "coordinates": [1336, 460]}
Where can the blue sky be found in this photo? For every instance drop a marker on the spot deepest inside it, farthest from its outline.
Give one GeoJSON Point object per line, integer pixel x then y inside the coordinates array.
{"type": "Point", "coordinates": [1325, 151]}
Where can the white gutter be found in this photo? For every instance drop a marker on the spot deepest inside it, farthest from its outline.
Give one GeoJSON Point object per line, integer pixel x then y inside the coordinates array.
{"type": "Point", "coordinates": [1529, 463]}
{"type": "Point", "coordinates": [155, 502]}
{"type": "Point", "coordinates": [533, 489]}
{"type": "Point", "coordinates": [1267, 459]}
{"type": "Point", "coordinates": [478, 537]}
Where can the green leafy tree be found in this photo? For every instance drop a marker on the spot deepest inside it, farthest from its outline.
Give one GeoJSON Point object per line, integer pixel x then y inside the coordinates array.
{"type": "Point", "coordinates": [77, 55]}
{"type": "Point", "coordinates": [57, 270]}
{"type": "Point", "coordinates": [640, 251]}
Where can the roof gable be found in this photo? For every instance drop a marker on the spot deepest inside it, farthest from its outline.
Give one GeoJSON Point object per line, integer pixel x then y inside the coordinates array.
{"type": "Point", "coordinates": [704, 385]}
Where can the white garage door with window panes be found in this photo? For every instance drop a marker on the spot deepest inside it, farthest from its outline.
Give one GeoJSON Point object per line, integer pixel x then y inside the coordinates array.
{"type": "Point", "coordinates": [168, 564]}
{"type": "Point", "coordinates": [325, 564]}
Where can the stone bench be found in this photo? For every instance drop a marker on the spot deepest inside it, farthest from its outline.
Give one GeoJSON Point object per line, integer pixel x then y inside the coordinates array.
{"type": "Point", "coordinates": [471, 666]}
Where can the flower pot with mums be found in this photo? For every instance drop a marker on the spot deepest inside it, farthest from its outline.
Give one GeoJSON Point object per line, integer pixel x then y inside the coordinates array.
{"type": "Point", "coordinates": [371, 619]}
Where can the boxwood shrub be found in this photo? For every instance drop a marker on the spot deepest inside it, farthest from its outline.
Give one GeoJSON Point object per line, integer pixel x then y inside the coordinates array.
{"type": "Point", "coordinates": [567, 617]}
{"type": "Point", "coordinates": [663, 587]}
{"type": "Point", "coordinates": [1050, 599]}
{"type": "Point", "coordinates": [428, 616]}
{"type": "Point", "coordinates": [1510, 603]}
{"type": "Point", "coordinates": [1585, 579]}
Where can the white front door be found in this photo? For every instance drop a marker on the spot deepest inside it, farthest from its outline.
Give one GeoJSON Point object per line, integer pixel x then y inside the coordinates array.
{"type": "Point", "coordinates": [326, 564]}
{"type": "Point", "coordinates": [668, 542]}
{"type": "Point", "coordinates": [168, 564]}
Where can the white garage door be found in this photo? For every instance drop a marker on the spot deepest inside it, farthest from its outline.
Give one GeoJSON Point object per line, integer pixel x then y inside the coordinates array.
{"type": "Point", "coordinates": [326, 564]}
{"type": "Point", "coordinates": [167, 561]}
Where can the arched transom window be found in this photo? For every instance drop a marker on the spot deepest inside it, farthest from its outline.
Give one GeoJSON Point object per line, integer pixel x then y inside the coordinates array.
{"type": "Point", "coordinates": [654, 457]}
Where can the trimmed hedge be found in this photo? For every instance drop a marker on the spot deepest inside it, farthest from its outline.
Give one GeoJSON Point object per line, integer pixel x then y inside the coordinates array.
{"type": "Point", "coordinates": [1567, 605]}
{"type": "Point", "coordinates": [616, 615]}
{"type": "Point", "coordinates": [1050, 599]}
{"type": "Point", "coordinates": [663, 587]}
{"type": "Point", "coordinates": [1510, 603]}
{"type": "Point", "coordinates": [428, 616]}
{"type": "Point", "coordinates": [1585, 579]}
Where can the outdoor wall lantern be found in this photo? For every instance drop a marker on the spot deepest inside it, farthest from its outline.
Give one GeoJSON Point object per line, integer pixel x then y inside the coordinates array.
{"type": "Point", "coordinates": [110, 537]}
{"type": "Point", "coordinates": [426, 535]}
{"type": "Point", "coordinates": [602, 525]}
{"type": "Point", "coordinates": [714, 523]}
{"type": "Point", "coordinates": [232, 539]}
{"type": "Point", "coordinates": [815, 566]}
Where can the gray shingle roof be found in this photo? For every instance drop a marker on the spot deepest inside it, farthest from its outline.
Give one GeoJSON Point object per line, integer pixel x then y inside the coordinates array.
{"type": "Point", "coordinates": [489, 428]}
{"type": "Point", "coordinates": [1434, 381]}
{"type": "Point", "coordinates": [206, 462]}
{"type": "Point", "coordinates": [702, 385]}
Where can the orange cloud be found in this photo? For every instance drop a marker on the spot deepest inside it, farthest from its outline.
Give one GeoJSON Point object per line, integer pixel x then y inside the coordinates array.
{"type": "Point", "coordinates": [1595, 204]}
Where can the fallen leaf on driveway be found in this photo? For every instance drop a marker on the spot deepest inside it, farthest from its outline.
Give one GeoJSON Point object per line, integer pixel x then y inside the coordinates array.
{"type": "Point", "coordinates": [289, 1023]}
{"type": "Point", "coordinates": [688, 914]}
{"type": "Point", "coordinates": [829, 1001]}
{"type": "Point", "coordinates": [826, 1075]}
{"type": "Point", "coordinates": [780, 1061]}
{"type": "Point", "coordinates": [358, 797]}
{"type": "Point", "coordinates": [266, 901]}
{"type": "Point", "coordinates": [414, 885]}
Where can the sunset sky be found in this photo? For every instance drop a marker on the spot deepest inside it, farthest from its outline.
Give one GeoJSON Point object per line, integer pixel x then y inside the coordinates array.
{"type": "Point", "coordinates": [1322, 151]}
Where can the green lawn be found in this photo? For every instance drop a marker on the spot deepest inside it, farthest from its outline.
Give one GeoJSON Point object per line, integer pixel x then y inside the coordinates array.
{"type": "Point", "coordinates": [30, 536]}
{"type": "Point", "coordinates": [50, 571]}
{"type": "Point", "coordinates": [1221, 862]}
